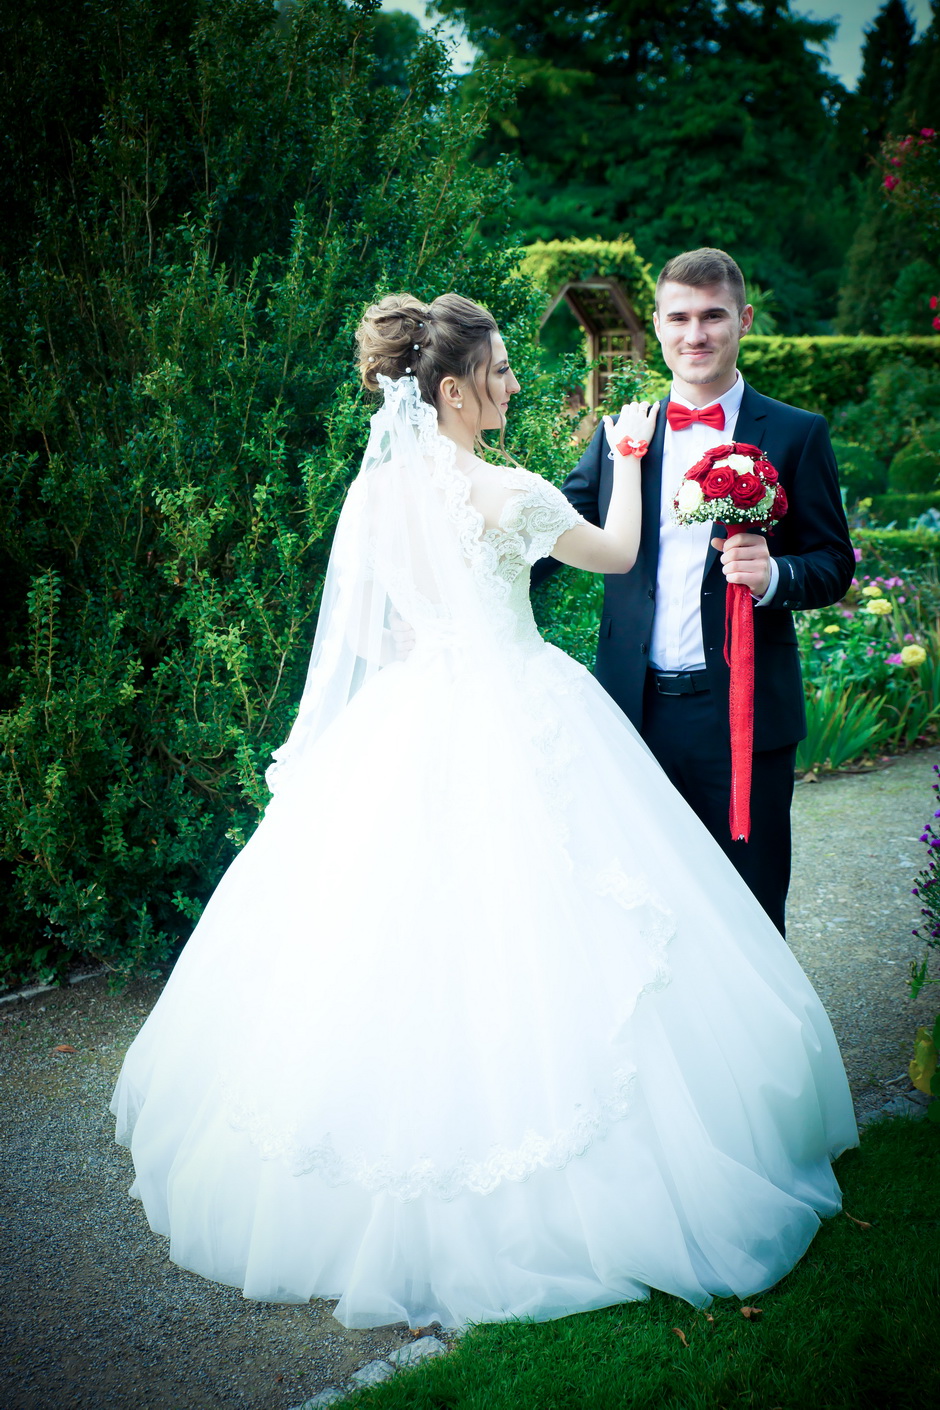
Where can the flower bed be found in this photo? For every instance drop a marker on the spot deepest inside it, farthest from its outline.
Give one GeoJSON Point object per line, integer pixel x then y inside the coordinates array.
{"type": "Point", "coordinates": [871, 668]}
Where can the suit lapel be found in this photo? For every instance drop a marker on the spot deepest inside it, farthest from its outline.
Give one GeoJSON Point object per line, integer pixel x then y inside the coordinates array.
{"type": "Point", "coordinates": [749, 428]}
{"type": "Point", "coordinates": [651, 487]}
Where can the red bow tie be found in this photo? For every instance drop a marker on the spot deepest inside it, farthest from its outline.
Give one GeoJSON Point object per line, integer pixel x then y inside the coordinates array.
{"type": "Point", "coordinates": [679, 416]}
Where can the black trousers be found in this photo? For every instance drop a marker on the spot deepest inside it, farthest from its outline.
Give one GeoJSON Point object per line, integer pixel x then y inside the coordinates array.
{"type": "Point", "coordinates": [691, 743]}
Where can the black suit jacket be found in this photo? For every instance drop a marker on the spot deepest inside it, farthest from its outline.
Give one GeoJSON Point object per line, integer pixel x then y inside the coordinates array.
{"type": "Point", "coordinates": [811, 545]}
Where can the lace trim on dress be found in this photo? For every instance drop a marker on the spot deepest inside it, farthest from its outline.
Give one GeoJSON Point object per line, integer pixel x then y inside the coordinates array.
{"type": "Point", "coordinates": [633, 893]}
{"type": "Point", "coordinates": [479, 1177]}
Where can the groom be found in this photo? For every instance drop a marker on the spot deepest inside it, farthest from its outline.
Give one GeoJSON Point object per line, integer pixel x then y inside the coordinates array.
{"type": "Point", "coordinates": [660, 651]}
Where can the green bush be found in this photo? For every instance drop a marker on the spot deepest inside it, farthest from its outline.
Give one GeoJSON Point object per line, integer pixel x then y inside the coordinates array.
{"type": "Point", "coordinates": [902, 508]}
{"type": "Point", "coordinates": [181, 418]}
{"type": "Point", "coordinates": [894, 552]}
{"type": "Point", "coordinates": [821, 373]}
{"type": "Point", "coordinates": [916, 467]}
{"type": "Point", "coordinates": [824, 373]}
{"type": "Point", "coordinates": [551, 263]}
{"type": "Point", "coordinates": [861, 471]}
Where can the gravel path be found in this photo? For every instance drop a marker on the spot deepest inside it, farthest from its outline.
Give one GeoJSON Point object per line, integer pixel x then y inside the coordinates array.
{"type": "Point", "coordinates": [95, 1317]}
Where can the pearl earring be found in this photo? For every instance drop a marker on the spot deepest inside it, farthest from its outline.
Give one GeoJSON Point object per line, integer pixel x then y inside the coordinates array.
{"type": "Point", "coordinates": [459, 405]}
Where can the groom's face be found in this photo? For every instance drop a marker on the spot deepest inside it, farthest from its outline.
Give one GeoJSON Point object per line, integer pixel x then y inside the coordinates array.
{"type": "Point", "coordinates": [700, 329]}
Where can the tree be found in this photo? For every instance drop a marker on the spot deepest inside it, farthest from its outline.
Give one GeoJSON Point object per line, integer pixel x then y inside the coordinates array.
{"type": "Point", "coordinates": [682, 123]}
{"type": "Point", "coordinates": [890, 237]}
{"type": "Point", "coordinates": [196, 234]}
{"type": "Point", "coordinates": [886, 56]}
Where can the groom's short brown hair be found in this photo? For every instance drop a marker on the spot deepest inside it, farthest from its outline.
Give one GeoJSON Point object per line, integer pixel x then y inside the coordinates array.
{"type": "Point", "coordinates": [698, 268]}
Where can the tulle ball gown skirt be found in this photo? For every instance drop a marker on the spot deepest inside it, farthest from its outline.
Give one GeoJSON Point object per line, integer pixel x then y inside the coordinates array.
{"type": "Point", "coordinates": [481, 1024]}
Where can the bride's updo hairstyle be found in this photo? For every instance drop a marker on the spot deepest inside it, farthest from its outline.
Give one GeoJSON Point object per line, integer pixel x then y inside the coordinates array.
{"type": "Point", "coordinates": [400, 336]}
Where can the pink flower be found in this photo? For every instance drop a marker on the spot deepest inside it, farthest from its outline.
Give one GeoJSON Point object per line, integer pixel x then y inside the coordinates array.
{"type": "Point", "coordinates": [936, 323]}
{"type": "Point", "coordinates": [902, 599]}
{"type": "Point", "coordinates": [894, 660]}
{"type": "Point", "coordinates": [870, 651]}
{"type": "Point", "coordinates": [858, 559]}
{"type": "Point", "coordinates": [890, 182]}
{"type": "Point", "coordinates": [909, 636]}
{"type": "Point", "coordinates": [895, 161]}
{"type": "Point", "coordinates": [933, 302]}
{"type": "Point", "coordinates": [927, 132]}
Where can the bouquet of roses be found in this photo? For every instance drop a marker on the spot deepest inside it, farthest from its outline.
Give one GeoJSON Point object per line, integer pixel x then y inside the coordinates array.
{"type": "Point", "coordinates": [732, 484]}
{"type": "Point", "coordinates": [735, 485]}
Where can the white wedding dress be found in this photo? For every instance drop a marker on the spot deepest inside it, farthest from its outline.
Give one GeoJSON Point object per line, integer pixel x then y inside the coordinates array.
{"type": "Point", "coordinates": [481, 1023]}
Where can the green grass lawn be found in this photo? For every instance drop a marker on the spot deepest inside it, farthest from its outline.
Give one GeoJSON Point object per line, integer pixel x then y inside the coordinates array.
{"type": "Point", "coordinates": [856, 1324]}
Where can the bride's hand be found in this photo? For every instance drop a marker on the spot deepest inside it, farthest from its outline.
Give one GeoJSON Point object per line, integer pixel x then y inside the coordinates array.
{"type": "Point", "coordinates": [633, 429]}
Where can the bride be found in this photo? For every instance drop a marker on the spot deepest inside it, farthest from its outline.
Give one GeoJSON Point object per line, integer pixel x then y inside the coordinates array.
{"type": "Point", "coordinates": [481, 1023]}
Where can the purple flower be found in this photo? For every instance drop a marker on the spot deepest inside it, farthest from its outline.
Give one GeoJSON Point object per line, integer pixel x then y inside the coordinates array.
{"type": "Point", "coordinates": [909, 636]}
{"type": "Point", "coordinates": [858, 554]}
{"type": "Point", "coordinates": [894, 660]}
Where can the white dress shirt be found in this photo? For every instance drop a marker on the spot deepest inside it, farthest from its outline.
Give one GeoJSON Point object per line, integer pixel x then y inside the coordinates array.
{"type": "Point", "coordinates": [677, 643]}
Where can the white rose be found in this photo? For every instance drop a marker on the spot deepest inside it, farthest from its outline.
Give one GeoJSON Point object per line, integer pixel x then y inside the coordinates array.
{"type": "Point", "coordinates": [689, 497]}
{"type": "Point", "coordinates": [739, 463]}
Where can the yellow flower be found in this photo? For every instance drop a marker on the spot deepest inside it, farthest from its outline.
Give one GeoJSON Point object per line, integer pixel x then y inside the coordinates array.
{"type": "Point", "coordinates": [873, 590]}
{"type": "Point", "coordinates": [832, 627]}
{"type": "Point", "coordinates": [913, 656]}
{"type": "Point", "coordinates": [879, 607]}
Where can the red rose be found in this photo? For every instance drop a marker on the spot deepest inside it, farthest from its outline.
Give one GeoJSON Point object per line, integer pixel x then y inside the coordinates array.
{"type": "Point", "coordinates": [766, 470]}
{"type": "Point", "coordinates": [718, 482]}
{"type": "Point", "coordinates": [699, 471]}
{"type": "Point", "coordinates": [718, 453]}
{"type": "Point", "coordinates": [779, 506]}
{"type": "Point", "coordinates": [742, 448]}
{"type": "Point", "coordinates": [746, 491]}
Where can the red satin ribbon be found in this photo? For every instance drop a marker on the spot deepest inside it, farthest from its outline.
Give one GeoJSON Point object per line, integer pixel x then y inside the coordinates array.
{"type": "Point", "coordinates": [739, 655]}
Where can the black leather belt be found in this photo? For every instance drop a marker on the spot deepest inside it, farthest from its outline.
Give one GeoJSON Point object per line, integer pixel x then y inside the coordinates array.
{"type": "Point", "coordinates": [680, 682]}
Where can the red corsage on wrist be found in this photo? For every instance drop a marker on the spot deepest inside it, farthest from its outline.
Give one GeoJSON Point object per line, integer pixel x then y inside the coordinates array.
{"type": "Point", "coordinates": [628, 446]}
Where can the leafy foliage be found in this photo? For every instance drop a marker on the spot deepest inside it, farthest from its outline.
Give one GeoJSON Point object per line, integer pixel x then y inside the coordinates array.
{"type": "Point", "coordinates": [888, 238]}
{"type": "Point", "coordinates": [629, 116]}
{"type": "Point", "coordinates": [871, 669]}
{"type": "Point", "coordinates": [181, 418]}
{"type": "Point", "coordinates": [826, 373]}
{"type": "Point", "coordinates": [552, 263]}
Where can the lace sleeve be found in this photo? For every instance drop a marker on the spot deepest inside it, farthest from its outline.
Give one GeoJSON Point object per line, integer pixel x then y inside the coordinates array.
{"type": "Point", "coordinates": [539, 516]}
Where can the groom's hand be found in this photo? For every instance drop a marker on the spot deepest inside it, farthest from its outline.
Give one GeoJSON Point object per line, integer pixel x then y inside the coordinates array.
{"type": "Point", "coordinates": [746, 559]}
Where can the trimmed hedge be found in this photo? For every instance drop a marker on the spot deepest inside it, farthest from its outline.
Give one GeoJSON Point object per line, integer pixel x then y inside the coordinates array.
{"type": "Point", "coordinates": [819, 373]}
{"type": "Point", "coordinates": [891, 550]}
{"type": "Point", "coordinates": [902, 507]}
{"type": "Point", "coordinates": [822, 374]}
{"type": "Point", "coordinates": [551, 263]}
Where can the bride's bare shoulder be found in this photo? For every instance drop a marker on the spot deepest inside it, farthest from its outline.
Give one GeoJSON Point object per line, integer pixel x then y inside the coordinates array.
{"type": "Point", "coordinates": [493, 486]}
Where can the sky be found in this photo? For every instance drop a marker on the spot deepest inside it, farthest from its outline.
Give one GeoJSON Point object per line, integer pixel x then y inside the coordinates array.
{"type": "Point", "coordinates": [844, 51]}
